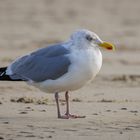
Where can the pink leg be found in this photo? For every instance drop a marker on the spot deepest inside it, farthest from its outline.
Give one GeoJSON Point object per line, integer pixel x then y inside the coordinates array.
{"type": "Point", "coordinates": [58, 108]}
{"type": "Point", "coordinates": [57, 104]}
{"type": "Point", "coordinates": [67, 114]}
{"type": "Point", "coordinates": [67, 108]}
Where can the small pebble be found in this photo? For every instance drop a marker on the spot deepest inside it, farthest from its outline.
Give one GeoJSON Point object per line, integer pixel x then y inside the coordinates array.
{"type": "Point", "coordinates": [6, 122]}
{"type": "Point", "coordinates": [43, 110]}
{"type": "Point", "coordinates": [123, 108]}
{"type": "Point", "coordinates": [28, 107]}
{"type": "Point", "coordinates": [49, 136]}
{"type": "Point", "coordinates": [127, 128]}
{"type": "Point", "coordinates": [30, 125]}
{"type": "Point", "coordinates": [1, 138]}
{"type": "Point", "coordinates": [30, 136]}
{"type": "Point", "coordinates": [134, 111]}
{"type": "Point", "coordinates": [23, 112]}
{"type": "Point", "coordinates": [121, 132]}
{"type": "Point", "coordinates": [94, 114]}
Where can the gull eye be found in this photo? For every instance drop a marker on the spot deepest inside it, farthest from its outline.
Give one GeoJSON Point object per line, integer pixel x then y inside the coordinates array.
{"type": "Point", "coordinates": [89, 38]}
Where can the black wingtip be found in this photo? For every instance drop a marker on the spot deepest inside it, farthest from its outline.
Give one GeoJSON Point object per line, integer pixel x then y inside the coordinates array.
{"type": "Point", "coordinates": [4, 77]}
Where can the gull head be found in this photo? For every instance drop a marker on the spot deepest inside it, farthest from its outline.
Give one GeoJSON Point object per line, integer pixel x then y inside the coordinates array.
{"type": "Point", "coordinates": [84, 38]}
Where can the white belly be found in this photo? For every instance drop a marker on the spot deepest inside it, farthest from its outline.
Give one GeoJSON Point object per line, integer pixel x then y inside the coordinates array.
{"type": "Point", "coordinates": [85, 65]}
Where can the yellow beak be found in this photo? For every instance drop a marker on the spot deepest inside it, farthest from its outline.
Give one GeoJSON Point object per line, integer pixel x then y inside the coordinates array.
{"type": "Point", "coordinates": [107, 45]}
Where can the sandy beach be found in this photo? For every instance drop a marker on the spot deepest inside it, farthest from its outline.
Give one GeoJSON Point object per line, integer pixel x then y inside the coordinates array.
{"type": "Point", "coordinates": [111, 102]}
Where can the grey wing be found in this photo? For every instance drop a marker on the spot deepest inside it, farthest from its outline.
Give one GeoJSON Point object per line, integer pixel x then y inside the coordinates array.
{"type": "Point", "coordinates": [51, 51]}
{"type": "Point", "coordinates": [40, 66]}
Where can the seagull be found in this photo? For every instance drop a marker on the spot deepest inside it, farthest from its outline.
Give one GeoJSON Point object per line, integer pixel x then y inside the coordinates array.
{"type": "Point", "coordinates": [61, 67]}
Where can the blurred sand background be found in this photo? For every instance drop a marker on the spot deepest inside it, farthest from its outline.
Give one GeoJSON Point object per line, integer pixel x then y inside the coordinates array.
{"type": "Point", "coordinates": [111, 102]}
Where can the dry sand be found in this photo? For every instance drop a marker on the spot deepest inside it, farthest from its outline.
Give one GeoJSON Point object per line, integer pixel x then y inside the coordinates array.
{"type": "Point", "coordinates": [111, 102]}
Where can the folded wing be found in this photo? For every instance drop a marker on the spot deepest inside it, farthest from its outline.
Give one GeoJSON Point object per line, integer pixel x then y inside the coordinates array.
{"type": "Point", "coordinates": [46, 63]}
